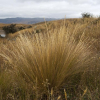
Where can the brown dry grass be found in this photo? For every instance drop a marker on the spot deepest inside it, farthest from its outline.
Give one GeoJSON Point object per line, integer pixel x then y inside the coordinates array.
{"type": "Point", "coordinates": [63, 56]}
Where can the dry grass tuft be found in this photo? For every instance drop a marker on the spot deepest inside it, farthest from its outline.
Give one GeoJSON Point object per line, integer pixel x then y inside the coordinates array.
{"type": "Point", "coordinates": [55, 56]}
{"type": "Point", "coordinates": [40, 65]}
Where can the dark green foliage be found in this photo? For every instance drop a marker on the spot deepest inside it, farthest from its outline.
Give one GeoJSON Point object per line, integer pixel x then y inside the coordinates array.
{"type": "Point", "coordinates": [21, 28]}
{"type": "Point", "coordinates": [37, 31]}
{"type": "Point", "coordinates": [29, 26]}
{"type": "Point", "coordinates": [10, 29]}
{"type": "Point", "coordinates": [86, 15]}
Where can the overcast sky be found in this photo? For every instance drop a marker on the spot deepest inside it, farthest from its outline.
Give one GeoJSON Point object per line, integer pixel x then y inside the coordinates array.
{"type": "Point", "coordinates": [48, 8]}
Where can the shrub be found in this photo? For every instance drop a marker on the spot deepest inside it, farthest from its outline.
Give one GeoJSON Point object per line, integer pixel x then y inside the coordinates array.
{"type": "Point", "coordinates": [29, 26]}
{"type": "Point", "coordinates": [21, 28]}
{"type": "Point", "coordinates": [87, 15]}
{"type": "Point", "coordinates": [10, 29]}
{"type": "Point", "coordinates": [37, 31]}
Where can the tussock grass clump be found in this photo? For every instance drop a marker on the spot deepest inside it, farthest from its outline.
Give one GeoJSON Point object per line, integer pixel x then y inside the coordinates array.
{"type": "Point", "coordinates": [49, 60]}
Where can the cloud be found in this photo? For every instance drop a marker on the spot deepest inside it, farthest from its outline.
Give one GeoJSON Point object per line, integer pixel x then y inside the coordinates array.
{"type": "Point", "coordinates": [48, 8]}
{"type": "Point", "coordinates": [40, 0]}
{"type": "Point", "coordinates": [68, 1]}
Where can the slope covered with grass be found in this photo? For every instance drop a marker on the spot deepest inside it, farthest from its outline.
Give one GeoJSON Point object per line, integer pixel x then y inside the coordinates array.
{"type": "Point", "coordinates": [60, 62]}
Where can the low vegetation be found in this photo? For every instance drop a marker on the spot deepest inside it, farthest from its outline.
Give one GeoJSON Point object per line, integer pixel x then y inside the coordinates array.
{"type": "Point", "coordinates": [87, 15]}
{"type": "Point", "coordinates": [12, 28]}
{"type": "Point", "coordinates": [60, 61]}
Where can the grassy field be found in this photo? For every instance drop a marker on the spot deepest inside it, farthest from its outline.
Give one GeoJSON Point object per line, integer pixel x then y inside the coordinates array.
{"type": "Point", "coordinates": [56, 60]}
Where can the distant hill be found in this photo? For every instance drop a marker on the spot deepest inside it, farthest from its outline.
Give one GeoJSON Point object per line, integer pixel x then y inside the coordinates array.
{"type": "Point", "coordinates": [24, 20]}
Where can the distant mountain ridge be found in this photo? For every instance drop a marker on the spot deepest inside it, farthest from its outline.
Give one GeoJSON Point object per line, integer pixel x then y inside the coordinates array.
{"type": "Point", "coordinates": [24, 20]}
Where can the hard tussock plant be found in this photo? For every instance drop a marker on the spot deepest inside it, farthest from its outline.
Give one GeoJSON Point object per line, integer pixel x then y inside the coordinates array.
{"type": "Point", "coordinates": [48, 60]}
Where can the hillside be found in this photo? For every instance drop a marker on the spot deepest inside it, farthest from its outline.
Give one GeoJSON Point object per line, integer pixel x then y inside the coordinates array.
{"type": "Point", "coordinates": [56, 60]}
{"type": "Point", "coordinates": [25, 20]}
